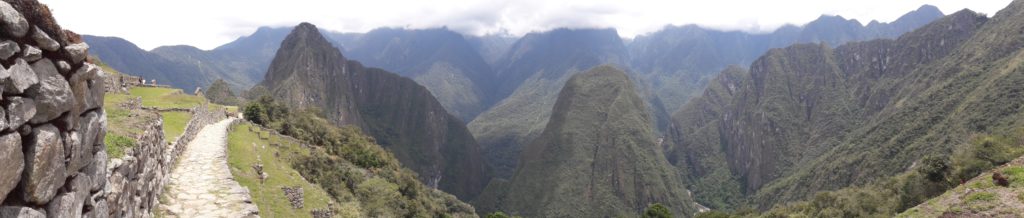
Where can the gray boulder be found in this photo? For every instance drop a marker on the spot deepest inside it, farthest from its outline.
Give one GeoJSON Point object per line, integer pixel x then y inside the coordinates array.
{"type": "Point", "coordinates": [21, 77]}
{"type": "Point", "coordinates": [44, 165]}
{"type": "Point", "coordinates": [80, 154]}
{"type": "Point", "coordinates": [69, 204]}
{"type": "Point", "coordinates": [63, 66]}
{"type": "Point", "coordinates": [90, 124]}
{"type": "Point", "coordinates": [77, 52]}
{"type": "Point", "coordinates": [8, 48]}
{"type": "Point", "coordinates": [53, 95]}
{"type": "Point", "coordinates": [88, 90]}
{"type": "Point", "coordinates": [20, 110]}
{"type": "Point", "coordinates": [13, 162]}
{"type": "Point", "coordinates": [12, 21]}
{"type": "Point", "coordinates": [44, 41]}
{"type": "Point", "coordinates": [3, 120]}
{"type": "Point", "coordinates": [98, 170]}
{"type": "Point", "coordinates": [31, 53]}
{"type": "Point", "coordinates": [21, 212]}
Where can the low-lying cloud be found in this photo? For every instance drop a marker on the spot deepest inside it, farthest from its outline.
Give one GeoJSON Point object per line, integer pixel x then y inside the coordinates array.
{"type": "Point", "coordinates": [207, 24]}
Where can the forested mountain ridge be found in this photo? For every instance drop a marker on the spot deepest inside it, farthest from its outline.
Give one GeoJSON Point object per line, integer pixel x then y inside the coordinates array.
{"type": "Point", "coordinates": [597, 157]}
{"type": "Point", "coordinates": [811, 118]}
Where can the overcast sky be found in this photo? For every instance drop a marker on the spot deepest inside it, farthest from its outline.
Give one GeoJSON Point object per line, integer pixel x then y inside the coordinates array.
{"type": "Point", "coordinates": [209, 23]}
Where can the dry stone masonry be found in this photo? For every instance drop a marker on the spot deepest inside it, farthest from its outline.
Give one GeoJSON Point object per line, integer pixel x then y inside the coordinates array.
{"type": "Point", "coordinates": [52, 124]}
{"type": "Point", "coordinates": [138, 178]}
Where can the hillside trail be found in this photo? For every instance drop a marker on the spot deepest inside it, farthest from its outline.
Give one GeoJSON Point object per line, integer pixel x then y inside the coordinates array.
{"type": "Point", "coordinates": [201, 184]}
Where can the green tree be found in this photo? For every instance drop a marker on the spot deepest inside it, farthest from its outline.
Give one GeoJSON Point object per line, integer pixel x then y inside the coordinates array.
{"type": "Point", "coordinates": [657, 211]}
{"type": "Point", "coordinates": [498, 214]}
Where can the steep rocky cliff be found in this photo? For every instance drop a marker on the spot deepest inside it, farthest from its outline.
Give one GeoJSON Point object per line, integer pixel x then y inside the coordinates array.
{"type": "Point", "coordinates": [597, 157]}
{"type": "Point", "coordinates": [308, 72]}
{"type": "Point", "coordinates": [52, 122]}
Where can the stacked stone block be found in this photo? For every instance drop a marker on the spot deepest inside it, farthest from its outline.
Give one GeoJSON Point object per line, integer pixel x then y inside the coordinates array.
{"type": "Point", "coordinates": [52, 124]}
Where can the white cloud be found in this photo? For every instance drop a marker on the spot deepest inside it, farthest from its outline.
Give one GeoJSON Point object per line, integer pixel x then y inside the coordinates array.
{"type": "Point", "coordinates": [209, 23]}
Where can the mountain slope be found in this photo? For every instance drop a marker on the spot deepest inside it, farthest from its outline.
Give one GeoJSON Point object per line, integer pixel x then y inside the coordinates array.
{"type": "Point", "coordinates": [439, 59]}
{"type": "Point", "coordinates": [125, 56]}
{"type": "Point", "coordinates": [678, 61]}
{"type": "Point", "coordinates": [597, 157]}
{"type": "Point", "coordinates": [810, 118]}
{"type": "Point", "coordinates": [308, 72]}
{"type": "Point", "coordinates": [240, 63]}
{"type": "Point", "coordinates": [530, 75]}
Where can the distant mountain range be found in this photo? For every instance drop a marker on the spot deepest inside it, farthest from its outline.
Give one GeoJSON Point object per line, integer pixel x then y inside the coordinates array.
{"type": "Point", "coordinates": [811, 94]}
{"type": "Point", "coordinates": [678, 60]}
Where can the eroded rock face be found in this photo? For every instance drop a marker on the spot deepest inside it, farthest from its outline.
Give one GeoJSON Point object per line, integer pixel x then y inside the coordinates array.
{"type": "Point", "coordinates": [44, 165]}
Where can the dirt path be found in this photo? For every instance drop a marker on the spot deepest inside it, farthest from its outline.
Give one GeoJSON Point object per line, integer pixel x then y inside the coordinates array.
{"type": "Point", "coordinates": [201, 184]}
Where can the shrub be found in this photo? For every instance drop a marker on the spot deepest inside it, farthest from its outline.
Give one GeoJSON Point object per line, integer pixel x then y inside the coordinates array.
{"type": "Point", "coordinates": [657, 211]}
{"type": "Point", "coordinates": [498, 214]}
{"type": "Point", "coordinates": [712, 214]}
{"type": "Point", "coordinates": [934, 167]}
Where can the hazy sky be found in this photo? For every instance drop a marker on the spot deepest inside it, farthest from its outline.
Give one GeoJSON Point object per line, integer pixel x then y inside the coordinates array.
{"type": "Point", "coordinates": [209, 23]}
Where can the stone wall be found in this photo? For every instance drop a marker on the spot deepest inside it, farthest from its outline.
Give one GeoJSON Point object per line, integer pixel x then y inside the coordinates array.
{"type": "Point", "coordinates": [52, 122]}
{"type": "Point", "coordinates": [137, 179]}
{"type": "Point", "coordinates": [120, 83]}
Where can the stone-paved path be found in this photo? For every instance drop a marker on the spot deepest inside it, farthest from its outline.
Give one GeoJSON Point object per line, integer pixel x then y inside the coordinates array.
{"type": "Point", "coordinates": [201, 184]}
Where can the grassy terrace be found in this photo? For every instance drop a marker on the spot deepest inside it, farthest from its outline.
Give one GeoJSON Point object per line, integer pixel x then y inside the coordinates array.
{"type": "Point", "coordinates": [165, 98]}
{"type": "Point", "coordinates": [124, 125]}
{"type": "Point", "coordinates": [245, 148]}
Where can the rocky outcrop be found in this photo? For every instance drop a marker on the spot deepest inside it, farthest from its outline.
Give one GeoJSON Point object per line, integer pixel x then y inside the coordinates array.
{"type": "Point", "coordinates": [51, 119]}
{"type": "Point", "coordinates": [137, 179]}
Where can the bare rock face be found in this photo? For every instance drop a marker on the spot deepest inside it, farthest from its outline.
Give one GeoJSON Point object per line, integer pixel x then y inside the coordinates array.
{"type": "Point", "coordinates": [12, 21]}
{"type": "Point", "coordinates": [44, 167]}
{"type": "Point", "coordinates": [20, 110]}
{"type": "Point", "coordinates": [13, 162]}
{"type": "Point", "coordinates": [22, 77]}
{"type": "Point", "coordinates": [53, 95]}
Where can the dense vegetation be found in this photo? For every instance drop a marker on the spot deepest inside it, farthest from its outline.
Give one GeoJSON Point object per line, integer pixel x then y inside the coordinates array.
{"type": "Point", "coordinates": [930, 177]}
{"type": "Point", "coordinates": [351, 166]}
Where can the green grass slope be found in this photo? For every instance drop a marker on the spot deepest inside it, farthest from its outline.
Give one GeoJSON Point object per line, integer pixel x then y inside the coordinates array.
{"type": "Point", "coordinates": [249, 145]}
